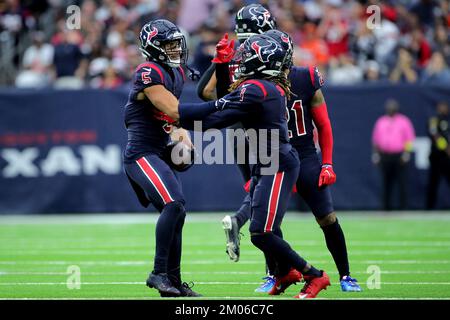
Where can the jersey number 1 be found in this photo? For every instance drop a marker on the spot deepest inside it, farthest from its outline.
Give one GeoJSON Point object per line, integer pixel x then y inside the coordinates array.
{"type": "Point", "coordinates": [298, 118]}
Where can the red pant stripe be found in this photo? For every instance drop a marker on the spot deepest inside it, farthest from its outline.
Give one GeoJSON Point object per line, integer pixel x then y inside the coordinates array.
{"type": "Point", "coordinates": [273, 201]}
{"type": "Point", "coordinates": [155, 180]}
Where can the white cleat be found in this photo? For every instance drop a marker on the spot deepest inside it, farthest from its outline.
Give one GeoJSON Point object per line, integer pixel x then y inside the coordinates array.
{"type": "Point", "coordinates": [231, 228]}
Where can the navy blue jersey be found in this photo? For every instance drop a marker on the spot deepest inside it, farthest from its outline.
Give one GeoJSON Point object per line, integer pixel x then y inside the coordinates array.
{"type": "Point", "coordinates": [304, 83]}
{"type": "Point", "coordinates": [146, 133]}
{"type": "Point", "coordinates": [262, 105]}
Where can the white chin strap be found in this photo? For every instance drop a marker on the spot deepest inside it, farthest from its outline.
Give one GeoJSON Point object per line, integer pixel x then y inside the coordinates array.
{"type": "Point", "coordinates": [174, 63]}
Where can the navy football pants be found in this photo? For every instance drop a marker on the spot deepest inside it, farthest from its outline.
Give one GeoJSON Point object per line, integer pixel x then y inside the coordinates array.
{"type": "Point", "coordinates": [319, 200]}
{"type": "Point", "coordinates": [155, 182]}
{"type": "Point", "coordinates": [270, 196]}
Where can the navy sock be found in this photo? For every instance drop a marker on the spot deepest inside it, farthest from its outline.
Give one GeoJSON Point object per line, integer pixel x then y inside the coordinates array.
{"type": "Point", "coordinates": [174, 259]}
{"type": "Point", "coordinates": [313, 272]}
{"type": "Point", "coordinates": [271, 244]}
{"type": "Point", "coordinates": [165, 230]}
{"type": "Point", "coordinates": [274, 267]}
{"type": "Point", "coordinates": [335, 239]}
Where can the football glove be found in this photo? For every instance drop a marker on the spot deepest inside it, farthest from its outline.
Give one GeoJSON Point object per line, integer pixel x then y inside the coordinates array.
{"type": "Point", "coordinates": [224, 50]}
{"type": "Point", "coordinates": [327, 176]}
{"type": "Point", "coordinates": [162, 116]}
{"type": "Point", "coordinates": [247, 186]}
{"type": "Point", "coordinates": [224, 103]}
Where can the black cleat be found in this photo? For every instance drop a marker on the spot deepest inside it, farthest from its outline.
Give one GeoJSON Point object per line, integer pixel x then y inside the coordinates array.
{"type": "Point", "coordinates": [233, 237]}
{"type": "Point", "coordinates": [162, 283]}
{"type": "Point", "coordinates": [185, 291]}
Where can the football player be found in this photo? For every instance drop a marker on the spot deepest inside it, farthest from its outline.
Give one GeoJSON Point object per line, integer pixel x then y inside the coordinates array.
{"type": "Point", "coordinates": [258, 101]}
{"type": "Point", "coordinates": [147, 156]}
{"type": "Point", "coordinates": [306, 106]}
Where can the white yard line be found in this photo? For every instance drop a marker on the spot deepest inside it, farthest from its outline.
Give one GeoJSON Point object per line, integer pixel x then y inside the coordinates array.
{"type": "Point", "coordinates": [88, 243]}
{"type": "Point", "coordinates": [133, 218]}
{"type": "Point", "coordinates": [197, 282]}
{"type": "Point", "coordinates": [205, 262]}
{"type": "Point", "coordinates": [44, 273]}
{"type": "Point", "coordinates": [223, 298]}
{"type": "Point", "coordinates": [145, 252]}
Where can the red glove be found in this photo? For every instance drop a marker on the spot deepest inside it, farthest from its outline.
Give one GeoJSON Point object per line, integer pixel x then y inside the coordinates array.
{"type": "Point", "coordinates": [162, 116]}
{"type": "Point", "coordinates": [247, 186]}
{"type": "Point", "coordinates": [224, 50]}
{"type": "Point", "coordinates": [327, 176]}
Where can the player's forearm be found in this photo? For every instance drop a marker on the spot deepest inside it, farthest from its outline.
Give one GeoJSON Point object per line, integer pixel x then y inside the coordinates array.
{"type": "Point", "coordinates": [163, 100]}
{"type": "Point", "coordinates": [323, 124]}
{"type": "Point", "coordinates": [206, 87]}
{"type": "Point", "coordinates": [223, 79]}
{"type": "Point", "coordinates": [169, 107]}
{"type": "Point", "coordinates": [189, 112]}
{"type": "Point", "coordinates": [326, 143]}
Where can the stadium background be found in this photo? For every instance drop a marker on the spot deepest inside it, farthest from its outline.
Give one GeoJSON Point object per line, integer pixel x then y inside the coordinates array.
{"type": "Point", "coordinates": [62, 93]}
{"type": "Point", "coordinates": [61, 136]}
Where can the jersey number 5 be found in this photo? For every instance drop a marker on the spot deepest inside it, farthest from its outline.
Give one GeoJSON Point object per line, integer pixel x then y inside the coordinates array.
{"type": "Point", "coordinates": [146, 77]}
{"type": "Point", "coordinates": [298, 119]}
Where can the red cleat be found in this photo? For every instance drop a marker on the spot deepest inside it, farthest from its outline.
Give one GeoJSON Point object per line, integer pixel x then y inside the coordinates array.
{"type": "Point", "coordinates": [313, 286]}
{"type": "Point", "coordinates": [284, 282]}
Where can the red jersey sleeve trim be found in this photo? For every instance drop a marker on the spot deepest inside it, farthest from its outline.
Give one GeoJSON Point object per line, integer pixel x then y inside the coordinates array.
{"type": "Point", "coordinates": [182, 73]}
{"type": "Point", "coordinates": [311, 75]}
{"type": "Point", "coordinates": [259, 84]}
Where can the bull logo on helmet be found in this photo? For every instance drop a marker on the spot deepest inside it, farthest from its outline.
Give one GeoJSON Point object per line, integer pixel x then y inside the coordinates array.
{"type": "Point", "coordinates": [261, 15]}
{"type": "Point", "coordinates": [152, 34]}
{"type": "Point", "coordinates": [264, 52]}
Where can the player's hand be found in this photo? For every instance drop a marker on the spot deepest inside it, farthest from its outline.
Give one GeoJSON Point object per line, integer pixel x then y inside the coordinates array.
{"type": "Point", "coordinates": [247, 186]}
{"type": "Point", "coordinates": [327, 176]}
{"type": "Point", "coordinates": [224, 50]}
{"type": "Point", "coordinates": [183, 136]}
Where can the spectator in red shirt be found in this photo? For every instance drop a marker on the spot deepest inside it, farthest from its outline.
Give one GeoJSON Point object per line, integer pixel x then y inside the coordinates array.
{"type": "Point", "coordinates": [334, 30]}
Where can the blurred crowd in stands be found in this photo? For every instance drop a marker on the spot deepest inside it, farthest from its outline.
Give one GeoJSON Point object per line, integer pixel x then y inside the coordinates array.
{"type": "Point", "coordinates": [408, 44]}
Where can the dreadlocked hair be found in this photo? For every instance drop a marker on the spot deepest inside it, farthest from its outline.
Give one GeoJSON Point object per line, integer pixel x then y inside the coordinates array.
{"type": "Point", "coordinates": [280, 80]}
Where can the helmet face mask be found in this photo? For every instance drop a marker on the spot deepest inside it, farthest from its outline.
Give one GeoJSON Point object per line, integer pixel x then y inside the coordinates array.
{"type": "Point", "coordinates": [175, 51]}
{"type": "Point", "coordinates": [253, 19]}
{"type": "Point", "coordinates": [162, 41]}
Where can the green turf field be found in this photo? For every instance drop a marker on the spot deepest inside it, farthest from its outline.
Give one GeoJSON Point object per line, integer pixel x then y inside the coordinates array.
{"type": "Point", "coordinates": [115, 252]}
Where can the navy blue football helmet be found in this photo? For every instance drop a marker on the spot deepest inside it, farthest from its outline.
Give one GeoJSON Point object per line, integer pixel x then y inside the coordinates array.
{"type": "Point", "coordinates": [162, 41]}
{"type": "Point", "coordinates": [286, 42]}
{"type": "Point", "coordinates": [253, 19]}
{"type": "Point", "coordinates": [260, 56]}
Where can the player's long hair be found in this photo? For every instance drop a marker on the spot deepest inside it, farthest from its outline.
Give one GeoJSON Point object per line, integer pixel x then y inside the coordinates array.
{"type": "Point", "coordinates": [280, 80]}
